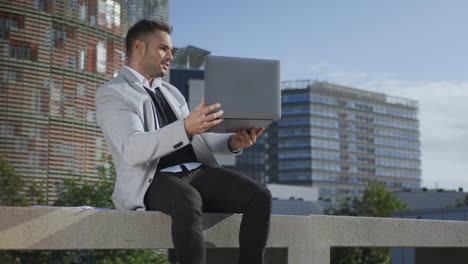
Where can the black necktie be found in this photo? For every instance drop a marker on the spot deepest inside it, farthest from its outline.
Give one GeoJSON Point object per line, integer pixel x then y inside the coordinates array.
{"type": "Point", "coordinates": [163, 109]}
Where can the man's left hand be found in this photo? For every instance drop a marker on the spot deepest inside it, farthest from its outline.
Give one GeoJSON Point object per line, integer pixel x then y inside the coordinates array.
{"type": "Point", "coordinates": [245, 138]}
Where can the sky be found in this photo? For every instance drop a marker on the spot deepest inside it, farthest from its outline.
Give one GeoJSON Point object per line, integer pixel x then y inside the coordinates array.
{"type": "Point", "coordinates": [414, 49]}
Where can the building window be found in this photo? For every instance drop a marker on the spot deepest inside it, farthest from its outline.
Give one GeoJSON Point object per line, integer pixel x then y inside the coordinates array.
{"type": "Point", "coordinates": [82, 60]}
{"type": "Point", "coordinates": [70, 112]}
{"type": "Point", "coordinates": [91, 116]}
{"type": "Point", "coordinates": [56, 97]}
{"type": "Point", "coordinates": [44, 5]}
{"type": "Point", "coordinates": [34, 132]}
{"type": "Point", "coordinates": [72, 62]}
{"type": "Point", "coordinates": [83, 12]}
{"type": "Point", "coordinates": [109, 12]}
{"type": "Point", "coordinates": [39, 102]}
{"type": "Point", "coordinates": [21, 144]}
{"type": "Point", "coordinates": [22, 50]}
{"type": "Point", "coordinates": [12, 76]}
{"type": "Point", "coordinates": [63, 149]}
{"type": "Point", "coordinates": [7, 130]}
{"type": "Point", "coordinates": [81, 89]}
{"type": "Point", "coordinates": [113, 10]}
{"type": "Point", "coordinates": [101, 57]}
{"type": "Point", "coordinates": [99, 152]}
{"type": "Point", "coordinates": [68, 164]}
{"type": "Point", "coordinates": [10, 22]}
{"type": "Point", "coordinates": [58, 38]}
{"type": "Point", "coordinates": [73, 4]}
{"type": "Point", "coordinates": [34, 159]}
{"type": "Point", "coordinates": [60, 35]}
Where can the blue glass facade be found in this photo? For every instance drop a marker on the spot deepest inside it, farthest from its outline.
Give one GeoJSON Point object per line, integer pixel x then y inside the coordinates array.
{"type": "Point", "coordinates": [252, 161]}
{"type": "Point", "coordinates": [340, 138]}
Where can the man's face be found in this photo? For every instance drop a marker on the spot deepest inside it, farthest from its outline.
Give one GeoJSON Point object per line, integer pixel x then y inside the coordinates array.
{"type": "Point", "coordinates": [158, 54]}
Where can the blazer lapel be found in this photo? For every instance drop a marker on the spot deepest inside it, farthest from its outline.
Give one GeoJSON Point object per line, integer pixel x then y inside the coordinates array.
{"type": "Point", "coordinates": [151, 118]}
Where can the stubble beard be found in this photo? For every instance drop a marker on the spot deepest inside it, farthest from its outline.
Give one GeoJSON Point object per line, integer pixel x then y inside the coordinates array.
{"type": "Point", "coordinates": [154, 71]}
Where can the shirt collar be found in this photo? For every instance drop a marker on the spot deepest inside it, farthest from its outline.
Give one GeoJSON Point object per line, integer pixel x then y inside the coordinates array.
{"type": "Point", "coordinates": [157, 82]}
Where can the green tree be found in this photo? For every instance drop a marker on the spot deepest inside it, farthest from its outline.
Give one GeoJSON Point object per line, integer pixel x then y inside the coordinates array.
{"type": "Point", "coordinates": [15, 191]}
{"type": "Point", "coordinates": [459, 202]}
{"type": "Point", "coordinates": [12, 187]}
{"type": "Point", "coordinates": [98, 194]}
{"type": "Point", "coordinates": [70, 193]}
{"type": "Point", "coordinates": [376, 201]}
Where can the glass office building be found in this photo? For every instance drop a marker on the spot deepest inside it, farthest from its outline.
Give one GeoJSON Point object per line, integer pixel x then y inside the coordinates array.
{"type": "Point", "coordinates": [339, 138]}
{"type": "Point", "coordinates": [55, 53]}
{"type": "Point", "coordinates": [148, 9]}
{"type": "Point", "coordinates": [252, 160]}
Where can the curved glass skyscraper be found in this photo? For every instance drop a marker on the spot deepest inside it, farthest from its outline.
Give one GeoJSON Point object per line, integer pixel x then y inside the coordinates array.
{"type": "Point", "coordinates": [55, 53]}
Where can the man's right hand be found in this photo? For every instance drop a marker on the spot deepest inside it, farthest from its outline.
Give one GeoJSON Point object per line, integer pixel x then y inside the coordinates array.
{"type": "Point", "coordinates": [198, 121]}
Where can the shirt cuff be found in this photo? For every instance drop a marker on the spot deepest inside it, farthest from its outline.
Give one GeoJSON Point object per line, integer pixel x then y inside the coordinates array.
{"type": "Point", "coordinates": [233, 150]}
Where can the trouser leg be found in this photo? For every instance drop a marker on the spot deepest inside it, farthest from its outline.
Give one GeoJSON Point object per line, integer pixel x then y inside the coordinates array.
{"type": "Point", "coordinates": [227, 191]}
{"type": "Point", "coordinates": [172, 194]}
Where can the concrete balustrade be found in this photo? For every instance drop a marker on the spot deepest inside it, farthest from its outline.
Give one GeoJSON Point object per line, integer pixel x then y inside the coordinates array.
{"type": "Point", "coordinates": [293, 239]}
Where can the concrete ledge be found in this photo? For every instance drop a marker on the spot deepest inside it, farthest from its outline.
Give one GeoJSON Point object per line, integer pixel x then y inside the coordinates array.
{"type": "Point", "coordinates": [61, 229]}
{"type": "Point", "coordinates": [339, 231]}
{"type": "Point", "coordinates": [306, 239]}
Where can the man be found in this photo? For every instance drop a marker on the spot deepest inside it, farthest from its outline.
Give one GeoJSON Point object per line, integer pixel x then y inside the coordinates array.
{"type": "Point", "coordinates": [163, 158]}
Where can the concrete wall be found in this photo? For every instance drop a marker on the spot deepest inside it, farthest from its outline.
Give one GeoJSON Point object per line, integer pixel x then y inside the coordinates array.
{"type": "Point", "coordinates": [305, 239]}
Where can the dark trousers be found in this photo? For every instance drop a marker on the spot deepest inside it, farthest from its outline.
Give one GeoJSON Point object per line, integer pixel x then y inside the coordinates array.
{"type": "Point", "coordinates": [185, 195]}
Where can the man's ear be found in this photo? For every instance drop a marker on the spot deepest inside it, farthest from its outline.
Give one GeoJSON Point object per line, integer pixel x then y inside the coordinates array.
{"type": "Point", "coordinates": [139, 46]}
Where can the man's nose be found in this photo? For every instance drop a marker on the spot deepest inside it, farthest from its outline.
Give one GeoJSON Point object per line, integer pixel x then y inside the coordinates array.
{"type": "Point", "coordinates": [169, 55]}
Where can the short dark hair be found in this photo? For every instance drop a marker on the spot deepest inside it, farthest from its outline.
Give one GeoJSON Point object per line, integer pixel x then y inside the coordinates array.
{"type": "Point", "coordinates": [142, 29]}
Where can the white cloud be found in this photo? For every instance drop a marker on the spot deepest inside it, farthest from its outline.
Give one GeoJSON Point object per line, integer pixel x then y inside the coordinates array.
{"type": "Point", "coordinates": [442, 109]}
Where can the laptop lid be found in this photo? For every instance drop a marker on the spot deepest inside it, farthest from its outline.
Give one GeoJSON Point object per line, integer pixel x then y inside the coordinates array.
{"type": "Point", "coordinates": [247, 89]}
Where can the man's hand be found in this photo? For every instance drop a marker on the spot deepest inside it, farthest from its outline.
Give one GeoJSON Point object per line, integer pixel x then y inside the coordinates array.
{"type": "Point", "coordinates": [245, 138]}
{"type": "Point", "coordinates": [198, 121]}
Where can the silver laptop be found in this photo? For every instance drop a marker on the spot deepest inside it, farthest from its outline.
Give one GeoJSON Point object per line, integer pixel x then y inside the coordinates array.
{"type": "Point", "coordinates": [247, 89]}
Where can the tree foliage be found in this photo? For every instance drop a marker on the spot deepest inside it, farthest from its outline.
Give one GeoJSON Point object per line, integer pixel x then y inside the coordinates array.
{"type": "Point", "coordinates": [460, 203]}
{"type": "Point", "coordinates": [376, 201]}
{"type": "Point", "coordinates": [72, 192]}
{"type": "Point", "coordinates": [12, 187]}
{"type": "Point", "coordinates": [98, 194]}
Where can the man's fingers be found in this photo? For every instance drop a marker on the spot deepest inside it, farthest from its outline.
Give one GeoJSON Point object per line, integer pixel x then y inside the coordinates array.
{"type": "Point", "coordinates": [260, 131]}
{"type": "Point", "coordinates": [209, 124]}
{"type": "Point", "coordinates": [201, 105]}
{"type": "Point", "coordinates": [209, 108]}
{"type": "Point", "coordinates": [246, 137]}
{"type": "Point", "coordinates": [253, 135]}
{"type": "Point", "coordinates": [213, 115]}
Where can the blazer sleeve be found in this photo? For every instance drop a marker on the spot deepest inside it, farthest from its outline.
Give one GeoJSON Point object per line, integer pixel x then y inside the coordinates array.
{"type": "Point", "coordinates": [218, 142]}
{"type": "Point", "coordinates": [124, 129]}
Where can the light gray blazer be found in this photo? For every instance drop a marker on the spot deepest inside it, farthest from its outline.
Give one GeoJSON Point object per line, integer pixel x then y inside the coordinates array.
{"type": "Point", "coordinates": [127, 116]}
